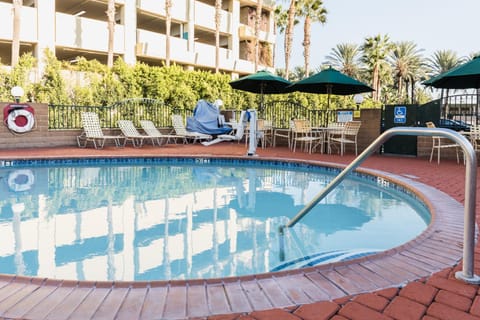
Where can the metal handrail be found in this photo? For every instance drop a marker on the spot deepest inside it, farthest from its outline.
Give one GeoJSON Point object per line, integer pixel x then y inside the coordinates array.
{"type": "Point", "coordinates": [467, 274]}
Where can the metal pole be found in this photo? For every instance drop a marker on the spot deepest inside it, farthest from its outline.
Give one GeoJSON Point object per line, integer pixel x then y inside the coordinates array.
{"type": "Point", "coordinates": [252, 143]}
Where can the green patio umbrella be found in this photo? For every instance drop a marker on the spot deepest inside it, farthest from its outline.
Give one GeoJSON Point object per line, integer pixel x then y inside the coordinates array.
{"type": "Point", "coordinates": [464, 76]}
{"type": "Point", "coordinates": [262, 82]}
{"type": "Point", "coordinates": [330, 81]}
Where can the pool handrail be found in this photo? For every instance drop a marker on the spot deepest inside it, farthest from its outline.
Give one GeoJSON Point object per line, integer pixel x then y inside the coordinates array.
{"type": "Point", "coordinates": [467, 273]}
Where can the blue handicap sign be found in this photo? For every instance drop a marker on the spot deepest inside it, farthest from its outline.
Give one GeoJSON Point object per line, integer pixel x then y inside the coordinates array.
{"type": "Point", "coordinates": [400, 114]}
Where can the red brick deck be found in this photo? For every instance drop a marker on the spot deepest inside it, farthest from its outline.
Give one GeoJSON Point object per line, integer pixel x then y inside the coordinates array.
{"type": "Point", "coordinates": [414, 282]}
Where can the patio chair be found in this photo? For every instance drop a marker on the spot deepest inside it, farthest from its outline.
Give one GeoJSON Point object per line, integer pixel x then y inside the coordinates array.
{"type": "Point", "coordinates": [264, 132]}
{"type": "Point", "coordinates": [343, 136]}
{"type": "Point", "coordinates": [239, 132]}
{"type": "Point", "coordinates": [440, 143]}
{"type": "Point", "coordinates": [474, 137]}
{"type": "Point", "coordinates": [181, 131]}
{"type": "Point", "coordinates": [265, 127]}
{"type": "Point", "coordinates": [131, 133]}
{"type": "Point", "coordinates": [304, 134]}
{"type": "Point", "coordinates": [284, 133]}
{"type": "Point", "coordinates": [92, 131]}
{"type": "Point", "coordinates": [155, 135]}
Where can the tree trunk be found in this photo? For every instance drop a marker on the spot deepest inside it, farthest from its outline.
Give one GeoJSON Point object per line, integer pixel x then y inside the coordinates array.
{"type": "Point", "coordinates": [111, 31]}
{"type": "Point", "coordinates": [400, 87]}
{"type": "Point", "coordinates": [306, 43]}
{"type": "Point", "coordinates": [17, 8]}
{"type": "Point", "coordinates": [289, 35]}
{"type": "Point", "coordinates": [168, 6]}
{"type": "Point", "coordinates": [258, 20]}
{"type": "Point", "coordinates": [375, 83]}
{"type": "Point", "coordinates": [412, 88]}
{"type": "Point", "coordinates": [218, 17]}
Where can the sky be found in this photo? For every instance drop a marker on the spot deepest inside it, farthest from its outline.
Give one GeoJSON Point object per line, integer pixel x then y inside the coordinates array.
{"type": "Point", "coordinates": [432, 24]}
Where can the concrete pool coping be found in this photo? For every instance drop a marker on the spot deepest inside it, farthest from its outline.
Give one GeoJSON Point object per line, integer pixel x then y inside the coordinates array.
{"type": "Point", "coordinates": [439, 247]}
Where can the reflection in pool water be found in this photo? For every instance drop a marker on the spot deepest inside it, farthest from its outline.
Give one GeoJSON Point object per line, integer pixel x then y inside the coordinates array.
{"type": "Point", "coordinates": [180, 221]}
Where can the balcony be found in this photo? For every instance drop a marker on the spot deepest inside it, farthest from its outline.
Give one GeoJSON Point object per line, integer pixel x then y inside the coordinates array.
{"type": "Point", "coordinates": [152, 45]}
{"type": "Point", "coordinates": [205, 56]}
{"type": "Point", "coordinates": [28, 30]}
{"type": "Point", "coordinates": [179, 10]}
{"type": "Point", "coordinates": [205, 18]}
{"type": "Point", "coordinates": [267, 4]}
{"type": "Point", "coordinates": [248, 33]}
{"type": "Point", "coordinates": [86, 34]}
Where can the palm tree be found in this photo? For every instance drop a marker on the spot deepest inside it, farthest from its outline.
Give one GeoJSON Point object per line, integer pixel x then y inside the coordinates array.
{"type": "Point", "coordinates": [281, 21]}
{"type": "Point", "coordinates": [111, 31]}
{"type": "Point", "coordinates": [345, 57]}
{"type": "Point", "coordinates": [312, 11]}
{"type": "Point", "coordinates": [218, 17]}
{"type": "Point", "coordinates": [298, 73]}
{"type": "Point", "coordinates": [441, 61]}
{"type": "Point", "coordinates": [258, 20]}
{"type": "Point", "coordinates": [168, 16]}
{"type": "Point", "coordinates": [289, 33]}
{"type": "Point", "coordinates": [406, 61]}
{"type": "Point", "coordinates": [375, 51]}
{"type": "Point", "coordinates": [17, 9]}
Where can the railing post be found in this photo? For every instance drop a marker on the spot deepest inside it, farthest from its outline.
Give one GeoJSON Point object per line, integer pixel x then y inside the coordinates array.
{"type": "Point", "coordinates": [467, 273]}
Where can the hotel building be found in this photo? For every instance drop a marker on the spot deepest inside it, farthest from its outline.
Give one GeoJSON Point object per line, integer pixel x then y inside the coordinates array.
{"type": "Point", "coordinates": [73, 28]}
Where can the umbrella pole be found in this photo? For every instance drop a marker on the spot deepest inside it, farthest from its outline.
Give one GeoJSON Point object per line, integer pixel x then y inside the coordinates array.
{"type": "Point", "coordinates": [476, 110]}
{"type": "Point", "coordinates": [261, 95]}
{"type": "Point", "coordinates": [329, 92]}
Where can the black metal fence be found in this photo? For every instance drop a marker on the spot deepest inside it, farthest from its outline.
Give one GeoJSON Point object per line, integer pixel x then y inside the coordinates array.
{"type": "Point", "coordinates": [462, 107]}
{"type": "Point", "coordinates": [279, 112]}
{"type": "Point", "coordinates": [68, 116]}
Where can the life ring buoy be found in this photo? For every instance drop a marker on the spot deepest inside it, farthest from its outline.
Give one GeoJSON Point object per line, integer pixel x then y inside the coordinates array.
{"type": "Point", "coordinates": [21, 180]}
{"type": "Point", "coordinates": [20, 120]}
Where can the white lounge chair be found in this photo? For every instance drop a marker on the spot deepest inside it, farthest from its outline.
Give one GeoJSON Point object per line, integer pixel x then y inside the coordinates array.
{"type": "Point", "coordinates": [155, 135]}
{"type": "Point", "coordinates": [92, 131]}
{"type": "Point", "coordinates": [239, 132]}
{"type": "Point", "coordinates": [131, 133]}
{"type": "Point", "coordinates": [181, 131]}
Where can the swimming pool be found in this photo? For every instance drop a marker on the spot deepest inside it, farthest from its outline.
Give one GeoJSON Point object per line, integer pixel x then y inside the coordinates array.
{"type": "Point", "coordinates": [68, 218]}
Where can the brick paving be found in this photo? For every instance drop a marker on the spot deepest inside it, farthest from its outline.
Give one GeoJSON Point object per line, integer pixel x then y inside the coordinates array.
{"type": "Point", "coordinates": [436, 296]}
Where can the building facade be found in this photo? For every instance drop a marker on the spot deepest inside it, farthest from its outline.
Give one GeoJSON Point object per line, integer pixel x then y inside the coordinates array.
{"type": "Point", "coordinates": [72, 28]}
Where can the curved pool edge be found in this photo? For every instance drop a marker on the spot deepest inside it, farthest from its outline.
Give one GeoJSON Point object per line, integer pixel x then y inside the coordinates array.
{"type": "Point", "coordinates": [438, 247]}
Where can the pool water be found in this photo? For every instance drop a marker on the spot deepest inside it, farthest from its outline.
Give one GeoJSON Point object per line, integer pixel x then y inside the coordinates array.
{"type": "Point", "coordinates": [183, 219]}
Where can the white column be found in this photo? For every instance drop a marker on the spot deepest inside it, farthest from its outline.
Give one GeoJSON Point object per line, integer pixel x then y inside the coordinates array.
{"type": "Point", "coordinates": [191, 26]}
{"type": "Point", "coordinates": [129, 20]}
{"type": "Point", "coordinates": [234, 44]}
{"type": "Point", "coordinates": [46, 31]}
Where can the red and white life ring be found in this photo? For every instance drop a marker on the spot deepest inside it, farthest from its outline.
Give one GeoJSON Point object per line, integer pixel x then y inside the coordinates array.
{"type": "Point", "coordinates": [20, 120]}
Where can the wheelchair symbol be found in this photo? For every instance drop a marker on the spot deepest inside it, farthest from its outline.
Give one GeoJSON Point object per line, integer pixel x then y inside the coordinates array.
{"type": "Point", "coordinates": [400, 114]}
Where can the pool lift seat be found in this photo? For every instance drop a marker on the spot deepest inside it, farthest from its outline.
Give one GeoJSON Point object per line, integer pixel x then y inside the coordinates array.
{"type": "Point", "coordinates": [239, 132]}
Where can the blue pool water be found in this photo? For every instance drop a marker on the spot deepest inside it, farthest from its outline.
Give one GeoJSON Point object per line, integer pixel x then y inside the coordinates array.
{"type": "Point", "coordinates": [161, 219]}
